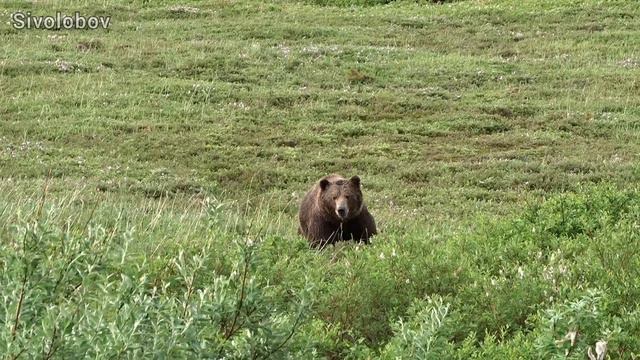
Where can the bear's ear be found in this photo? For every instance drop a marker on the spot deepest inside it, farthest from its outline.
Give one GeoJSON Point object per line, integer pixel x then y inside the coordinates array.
{"type": "Point", "coordinates": [324, 184]}
{"type": "Point", "coordinates": [355, 181]}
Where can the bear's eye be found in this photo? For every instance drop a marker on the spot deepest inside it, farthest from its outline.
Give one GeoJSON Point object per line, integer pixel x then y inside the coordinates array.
{"type": "Point", "coordinates": [346, 197]}
{"type": "Point", "coordinates": [335, 198]}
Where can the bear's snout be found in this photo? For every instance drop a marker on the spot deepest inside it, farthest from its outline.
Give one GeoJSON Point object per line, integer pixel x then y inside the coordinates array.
{"type": "Point", "coordinates": [342, 211]}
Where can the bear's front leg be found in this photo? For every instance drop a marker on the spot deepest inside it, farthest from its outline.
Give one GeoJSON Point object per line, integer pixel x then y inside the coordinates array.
{"type": "Point", "coordinates": [324, 233]}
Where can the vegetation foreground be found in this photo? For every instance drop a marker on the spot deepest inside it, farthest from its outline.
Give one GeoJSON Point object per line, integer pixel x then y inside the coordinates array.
{"type": "Point", "coordinates": [114, 281]}
{"type": "Point", "coordinates": [150, 175]}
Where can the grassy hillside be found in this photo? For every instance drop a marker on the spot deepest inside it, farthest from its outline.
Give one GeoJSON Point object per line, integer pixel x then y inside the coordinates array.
{"type": "Point", "coordinates": [150, 176]}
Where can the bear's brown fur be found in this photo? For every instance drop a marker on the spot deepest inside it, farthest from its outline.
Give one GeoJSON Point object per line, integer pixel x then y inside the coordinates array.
{"type": "Point", "coordinates": [334, 210]}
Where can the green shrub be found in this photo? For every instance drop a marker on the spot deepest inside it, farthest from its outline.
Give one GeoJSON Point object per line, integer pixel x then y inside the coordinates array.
{"type": "Point", "coordinates": [419, 338]}
{"type": "Point", "coordinates": [72, 295]}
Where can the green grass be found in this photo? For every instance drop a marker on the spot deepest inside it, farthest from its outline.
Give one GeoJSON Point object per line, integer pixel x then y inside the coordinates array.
{"type": "Point", "coordinates": [497, 142]}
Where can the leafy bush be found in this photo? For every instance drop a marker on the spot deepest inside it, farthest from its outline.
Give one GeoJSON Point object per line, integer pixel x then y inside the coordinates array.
{"type": "Point", "coordinates": [72, 295]}
{"type": "Point", "coordinates": [418, 339]}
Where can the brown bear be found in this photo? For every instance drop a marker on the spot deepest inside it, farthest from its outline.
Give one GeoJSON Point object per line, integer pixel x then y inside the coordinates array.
{"type": "Point", "coordinates": [334, 210]}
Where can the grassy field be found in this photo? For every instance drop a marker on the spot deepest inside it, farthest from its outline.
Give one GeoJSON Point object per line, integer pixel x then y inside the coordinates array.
{"type": "Point", "coordinates": [150, 176]}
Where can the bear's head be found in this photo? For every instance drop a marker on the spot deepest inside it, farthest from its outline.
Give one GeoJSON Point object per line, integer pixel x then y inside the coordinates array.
{"type": "Point", "coordinates": [342, 198]}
